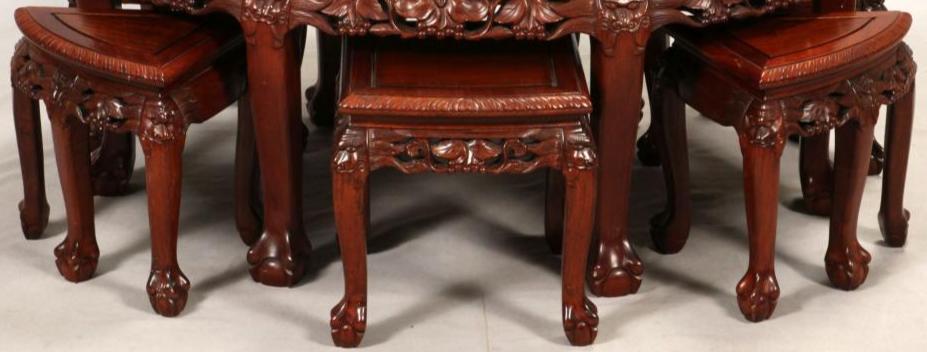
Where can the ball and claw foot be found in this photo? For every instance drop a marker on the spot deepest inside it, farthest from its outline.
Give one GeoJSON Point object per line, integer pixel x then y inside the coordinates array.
{"type": "Point", "coordinates": [847, 268]}
{"type": "Point", "coordinates": [167, 291]}
{"type": "Point", "coordinates": [76, 261]}
{"type": "Point", "coordinates": [33, 225]}
{"type": "Point", "coordinates": [757, 295]}
{"type": "Point", "coordinates": [615, 274]}
{"type": "Point", "coordinates": [895, 233]}
{"type": "Point", "coordinates": [581, 324]}
{"type": "Point", "coordinates": [349, 322]}
{"type": "Point", "coordinates": [276, 265]}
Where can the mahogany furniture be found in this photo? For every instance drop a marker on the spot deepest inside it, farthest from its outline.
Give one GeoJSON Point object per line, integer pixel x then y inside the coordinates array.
{"type": "Point", "coordinates": [817, 177]}
{"type": "Point", "coordinates": [102, 69]}
{"type": "Point", "coordinates": [836, 76]}
{"type": "Point", "coordinates": [523, 109]}
{"type": "Point", "coordinates": [619, 30]}
{"type": "Point", "coordinates": [112, 157]}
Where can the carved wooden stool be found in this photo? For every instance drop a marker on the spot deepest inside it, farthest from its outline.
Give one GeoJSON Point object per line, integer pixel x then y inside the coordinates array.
{"type": "Point", "coordinates": [770, 79]}
{"type": "Point", "coordinates": [105, 70]}
{"type": "Point", "coordinates": [416, 107]}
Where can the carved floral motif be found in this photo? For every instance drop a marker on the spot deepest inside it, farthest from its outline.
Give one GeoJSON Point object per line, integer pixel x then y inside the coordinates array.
{"type": "Point", "coordinates": [368, 149]}
{"type": "Point", "coordinates": [478, 19]}
{"type": "Point", "coordinates": [858, 98]}
{"type": "Point", "coordinates": [154, 119]}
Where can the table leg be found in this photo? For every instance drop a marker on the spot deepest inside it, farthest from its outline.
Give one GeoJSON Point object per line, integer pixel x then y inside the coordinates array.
{"type": "Point", "coordinates": [617, 81]}
{"type": "Point", "coordinates": [321, 98]}
{"type": "Point", "coordinates": [279, 256]}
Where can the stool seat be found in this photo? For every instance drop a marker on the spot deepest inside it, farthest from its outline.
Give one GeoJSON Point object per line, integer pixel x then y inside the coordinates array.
{"type": "Point", "coordinates": [803, 47]}
{"type": "Point", "coordinates": [122, 43]}
{"type": "Point", "coordinates": [392, 77]}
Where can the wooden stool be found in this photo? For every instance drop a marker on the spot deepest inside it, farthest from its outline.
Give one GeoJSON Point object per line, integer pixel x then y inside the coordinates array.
{"type": "Point", "coordinates": [417, 107]}
{"type": "Point", "coordinates": [105, 70]}
{"type": "Point", "coordinates": [777, 77]}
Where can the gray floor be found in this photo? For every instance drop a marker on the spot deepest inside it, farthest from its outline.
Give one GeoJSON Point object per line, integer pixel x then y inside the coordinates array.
{"type": "Point", "coordinates": [456, 263]}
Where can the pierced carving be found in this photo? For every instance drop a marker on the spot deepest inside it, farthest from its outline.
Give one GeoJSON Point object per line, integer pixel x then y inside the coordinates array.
{"type": "Point", "coordinates": [355, 17]}
{"type": "Point", "coordinates": [412, 154]}
{"type": "Point", "coordinates": [857, 98]}
{"type": "Point", "coordinates": [528, 18]}
{"type": "Point", "coordinates": [480, 19]}
{"type": "Point", "coordinates": [153, 118]}
{"type": "Point", "coordinates": [365, 149]}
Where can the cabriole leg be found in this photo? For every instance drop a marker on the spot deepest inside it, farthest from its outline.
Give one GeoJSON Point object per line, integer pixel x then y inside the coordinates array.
{"type": "Point", "coordinates": [846, 261]}
{"type": "Point", "coordinates": [758, 290]}
{"type": "Point", "coordinates": [580, 319]}
{"type": "Point", "coordinates": [167, 285]}
{"type": "Point", "coordinates": [78, 254]}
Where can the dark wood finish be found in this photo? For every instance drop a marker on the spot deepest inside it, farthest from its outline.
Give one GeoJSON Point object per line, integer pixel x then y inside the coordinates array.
{"type": "Point", "coordinates": [112, 155]}
{"type": "Point", "coordinates": [618, 27]}
{"type": "Point", "coordinates": [247, 181]}
{"type": "Point", "coordinates": [893, 218]}
{"type": "Point", "coordinates": [33, 209]}
{"type": "Point", "coordinates": [523, 110]}
{"type": "Point", "coordinates": [100, 70]}
{"type": "Point", "coordinates": [845, 67]}
{"type": "Point", "coordinates": [280, 254]}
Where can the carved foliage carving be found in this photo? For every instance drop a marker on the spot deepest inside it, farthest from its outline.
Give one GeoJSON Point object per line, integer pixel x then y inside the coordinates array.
{"type": "Point", "coordinates": [477, 19]}
{"type": "Point", "coordinates": [155, 119]}
{"type": "Point", "coordinates": [858, 98]}
{"type": "Point", "coordinates": [415, 151]}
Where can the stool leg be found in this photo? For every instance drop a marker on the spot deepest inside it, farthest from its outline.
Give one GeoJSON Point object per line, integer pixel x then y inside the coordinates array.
{"type": "Point", "coordinates": [247, 174]}
{"type": "Point", "coordinates": [758, 290]}
{"type": "Point", "coordinates": [669, 229]}
{"type": "Point", "coordinates": [113, 168]}
{"type": "Point", "coordinates": [350, 190]}
{"type": "Point", "coordinates": [846, 261]}
{"type": "Point", "coordinates": [580, 320]}
{"type": "Point", "coordinates": [893, 218]}
{"type": "Point", "coordinates": [816, 174]}
{"type": "Point", "coordinates": [167, 285]}
{"type": "Point", "coordinates": [553, 219]}
{"type": "Point", "coordinates": [78, 254]}
{"type": "Point", "coordinates": [33, 210]}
